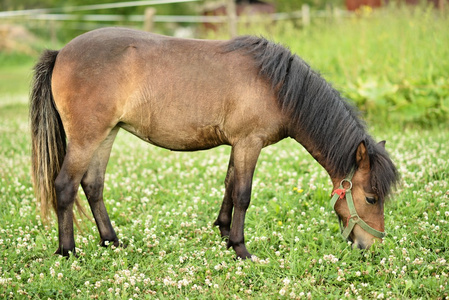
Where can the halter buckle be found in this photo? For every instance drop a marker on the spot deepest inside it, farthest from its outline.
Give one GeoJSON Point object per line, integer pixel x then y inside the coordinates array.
{"type": "Point", "coordinates": [348, 180]}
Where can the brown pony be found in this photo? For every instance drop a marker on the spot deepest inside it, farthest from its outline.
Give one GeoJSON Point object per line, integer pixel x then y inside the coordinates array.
{"type": "Point", "coordinates": [187, 95]}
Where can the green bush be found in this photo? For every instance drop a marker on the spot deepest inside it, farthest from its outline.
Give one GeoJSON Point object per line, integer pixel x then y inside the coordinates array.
{"type": "Point", "coordinates": [391, 63]}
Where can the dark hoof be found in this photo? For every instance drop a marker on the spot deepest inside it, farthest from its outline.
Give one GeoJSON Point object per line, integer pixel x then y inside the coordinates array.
{"type": "Point", "coordinates": [240, 250]}
{"type": "Point", "coordinates": [115, 243]}
{"type": "Point", "coordinates": [66, 253]}
{"type": "Point", "coordinates": [224, 230]}
{"type": "Point", "coordinates": [244, 256]}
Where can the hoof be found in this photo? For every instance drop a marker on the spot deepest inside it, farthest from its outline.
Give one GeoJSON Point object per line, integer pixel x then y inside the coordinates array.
{"type": "Point", "coordinates": [115, 243]}
{"type": "Point", "coordinates": [240, 250]}
{"type": "Point", "coordinates": [66, 253]}
{"type": "Point", "coordinates": [244, 256]}
{"type": "Point", "coordinates": [224, 230]}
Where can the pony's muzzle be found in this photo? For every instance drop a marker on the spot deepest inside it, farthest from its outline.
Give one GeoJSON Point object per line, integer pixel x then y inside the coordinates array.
{"type": "Point", "coordinates": [361, 239]}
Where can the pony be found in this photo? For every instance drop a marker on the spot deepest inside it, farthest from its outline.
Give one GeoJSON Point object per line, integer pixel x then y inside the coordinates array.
{"type": "Point", "coordinates": [188, 95]}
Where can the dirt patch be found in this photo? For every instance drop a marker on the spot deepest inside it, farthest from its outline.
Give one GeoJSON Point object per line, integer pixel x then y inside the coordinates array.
{"type": "Point", "coordinates": [16, 38]}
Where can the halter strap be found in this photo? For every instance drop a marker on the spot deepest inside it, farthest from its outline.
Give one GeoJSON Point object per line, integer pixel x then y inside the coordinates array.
{"type": "Point", "coordinates": [354, 218]}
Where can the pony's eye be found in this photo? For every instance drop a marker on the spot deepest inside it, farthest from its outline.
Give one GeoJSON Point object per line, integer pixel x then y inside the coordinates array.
{"type": "Point", "coordinates": [370, 200]}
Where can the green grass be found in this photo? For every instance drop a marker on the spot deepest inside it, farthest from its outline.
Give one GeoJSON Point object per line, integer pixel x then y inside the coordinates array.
{"type": "Point", "coordinates": [15, 74]}
{"type": "Point", "coordinates": [163, 203]}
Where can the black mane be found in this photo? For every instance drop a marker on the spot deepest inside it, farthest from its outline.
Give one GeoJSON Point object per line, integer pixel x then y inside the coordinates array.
{"type": "Point", "coordinates": [318, 109]}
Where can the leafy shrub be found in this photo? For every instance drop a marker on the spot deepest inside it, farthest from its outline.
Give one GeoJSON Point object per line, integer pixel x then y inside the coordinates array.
{"type": "Point", "coordinates": [391, 63]}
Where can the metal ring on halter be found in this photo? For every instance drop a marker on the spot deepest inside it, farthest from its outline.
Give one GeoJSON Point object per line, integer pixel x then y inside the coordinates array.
{"type": "Point", "coordinates": [346, 180]}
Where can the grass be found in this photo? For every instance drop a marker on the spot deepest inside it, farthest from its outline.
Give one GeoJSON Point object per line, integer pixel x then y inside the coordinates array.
{"type": "Point", "coordinates": [15, 74]}
{"type": "Point", "coordinates": [163, 204]}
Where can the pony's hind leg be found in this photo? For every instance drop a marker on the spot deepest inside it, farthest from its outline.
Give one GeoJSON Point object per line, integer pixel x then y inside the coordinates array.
{"type": "Point", "coordinates": [76, 162]}
{"type": "Point", "coordinates": [93, 184]}
{"type": "Point", "coordinates": [225, 215]}
{"type": "Point", "coordinates": [82, 146]}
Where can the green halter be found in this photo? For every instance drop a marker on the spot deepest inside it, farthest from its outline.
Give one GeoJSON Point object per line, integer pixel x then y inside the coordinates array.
{"type": "Point", "coordinates": [354, 218]}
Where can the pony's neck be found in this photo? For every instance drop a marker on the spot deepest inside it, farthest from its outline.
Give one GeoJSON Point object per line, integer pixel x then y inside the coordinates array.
{"type": "Point", "coordinates": [316, 153]}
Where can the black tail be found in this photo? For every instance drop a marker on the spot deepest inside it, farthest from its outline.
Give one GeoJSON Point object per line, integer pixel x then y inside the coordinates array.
{"type": "Point", "coordinates": [47, 133]}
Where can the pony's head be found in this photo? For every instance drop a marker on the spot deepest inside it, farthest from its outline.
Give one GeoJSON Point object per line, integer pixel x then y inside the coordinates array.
{"type": "Point", "coordinates": [359, 197]}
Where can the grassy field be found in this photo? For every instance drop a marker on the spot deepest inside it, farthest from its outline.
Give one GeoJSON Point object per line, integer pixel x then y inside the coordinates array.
{"type": "Point", "coordinates": [163, 205]}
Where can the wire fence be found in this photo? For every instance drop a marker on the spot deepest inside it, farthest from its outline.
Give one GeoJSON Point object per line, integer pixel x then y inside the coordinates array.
{"type": "Point", "coordinates": [64, 13]}
{"type": "Point", "coordinates": [42, 17]}
{"type": "Point", "coordinates": [28, 12]}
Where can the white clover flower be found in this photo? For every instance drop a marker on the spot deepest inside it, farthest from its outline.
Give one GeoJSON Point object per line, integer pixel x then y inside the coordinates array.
{"type": "Point", "coordinates": [286, 281]}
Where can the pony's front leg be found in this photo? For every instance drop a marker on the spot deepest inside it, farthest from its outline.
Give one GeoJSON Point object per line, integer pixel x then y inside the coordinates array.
{"type": "Point", "coordinates": [246, 154]}
{"type": "Point", "coordinates": [225, 215]}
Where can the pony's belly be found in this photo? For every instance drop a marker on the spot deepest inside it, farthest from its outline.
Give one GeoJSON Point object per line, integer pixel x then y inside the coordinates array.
{"type": "Point", "coordinates": [181, 139]}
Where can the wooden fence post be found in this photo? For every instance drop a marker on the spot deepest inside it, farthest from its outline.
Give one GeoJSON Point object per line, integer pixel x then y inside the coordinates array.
{"type": "Point", "coordinates": [305, 12]}
{"type": "Point", "coordinates": [232, 17]}
{"type": "Point", "coordinates": [441, 5]}
{"type": "Point", "coordinates": [148, 22]}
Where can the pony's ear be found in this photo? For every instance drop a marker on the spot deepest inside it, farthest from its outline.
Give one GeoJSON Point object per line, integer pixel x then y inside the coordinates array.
{"type": "Point", "coordinates": [382, 144]}
{"type": "Point", "coordinates": [362, 157]}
